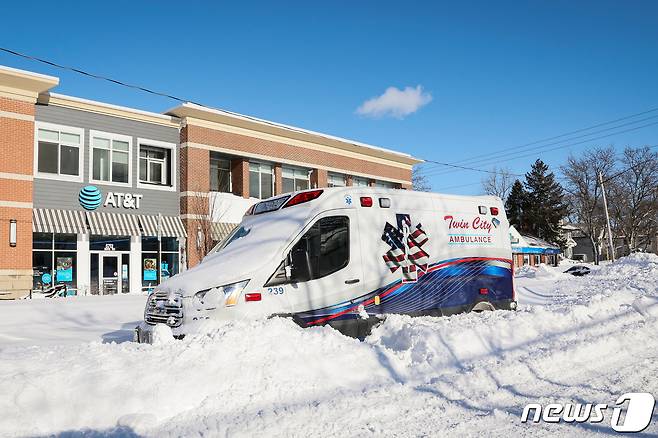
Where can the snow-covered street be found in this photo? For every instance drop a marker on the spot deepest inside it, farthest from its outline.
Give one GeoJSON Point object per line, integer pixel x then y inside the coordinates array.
{"type": "Point", "coordinates": [66, 368]}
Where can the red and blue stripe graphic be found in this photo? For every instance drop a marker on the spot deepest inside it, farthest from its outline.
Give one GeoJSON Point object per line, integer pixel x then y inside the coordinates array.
{"type": "Point", "coordinates": [449, 283]}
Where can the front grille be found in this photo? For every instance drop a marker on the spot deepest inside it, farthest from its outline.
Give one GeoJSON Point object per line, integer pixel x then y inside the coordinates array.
{"type": "Point", "coordinates": [163, 307]}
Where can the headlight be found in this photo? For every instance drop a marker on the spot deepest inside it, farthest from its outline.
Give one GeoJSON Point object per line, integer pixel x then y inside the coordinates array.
{"type": "Point", "coordinates": [213, 297]}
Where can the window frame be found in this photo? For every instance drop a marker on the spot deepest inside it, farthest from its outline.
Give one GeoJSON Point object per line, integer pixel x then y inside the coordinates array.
{"type": "Point", "coordinates": [110, 136]}
{"type": "Point", "coordinates": [381, 184]}
{"type": "Point", "coordinates": [59, 128]}
{"type": "Point", "coordinates": [173, 173]}
{"type": "Point", "coordinates": [230, 173]}
{"type": "Point", "coordinates": [260, 172]}
{"type": "Point", "coordinates": [331, 175]}
{"type": "Point", "coordinates": [308, 229]}
{"type": "Point", "coordinates": [295, 170]}
{"type": "Point", "coordinates": [355, 178]}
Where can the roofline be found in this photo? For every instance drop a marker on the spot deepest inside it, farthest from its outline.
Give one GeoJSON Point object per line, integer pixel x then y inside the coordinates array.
{"type": "Point", "coordinates": [24, 85]}
{"type": "Point", "coordinates": [196, 111]}
{"type": "Point", "coordinates": [109, 109]}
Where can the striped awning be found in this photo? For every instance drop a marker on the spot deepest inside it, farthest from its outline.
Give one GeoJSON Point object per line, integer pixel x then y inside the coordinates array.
{"type": "Point", "coordinates": [219, 230]}
{"type": "Point", "coordinates": [45, 220]}
{"type": "Point", "coordinates": [170, 226]}
{"type": "Point", "coordinates": [113, 224]}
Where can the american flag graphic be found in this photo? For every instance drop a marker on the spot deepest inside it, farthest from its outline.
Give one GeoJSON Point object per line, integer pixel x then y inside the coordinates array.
{"type": "Point", "coordinates": [406, 250]}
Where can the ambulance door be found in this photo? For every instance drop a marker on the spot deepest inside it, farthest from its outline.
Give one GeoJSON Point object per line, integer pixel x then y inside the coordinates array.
{"type": "Point", "coordinates": [325, 262]}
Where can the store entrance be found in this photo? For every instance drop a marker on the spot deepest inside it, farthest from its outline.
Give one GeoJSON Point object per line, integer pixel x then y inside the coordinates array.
{"type": "Point", "coordinates": [110, 280]}
{"type": "Point", "coordinates": [109, 272]}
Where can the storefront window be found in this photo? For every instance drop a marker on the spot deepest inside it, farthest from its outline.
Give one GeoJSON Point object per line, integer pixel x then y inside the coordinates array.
{"type": "Point", "coordinates": [157, 269]}
{"type": "Point", "coordinates": [65, 241]}
{"type": "Point", "coordinates": [93, 268]}
{"type": "Point", "coordinates": [125, 273]}
{"type": "Point", "coordinates": [42, 263]}
{"type": "Point", "coordinates": [50, 264]}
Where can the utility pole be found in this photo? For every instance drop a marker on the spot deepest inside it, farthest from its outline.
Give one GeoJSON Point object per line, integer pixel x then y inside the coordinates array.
{"type": "Point", "coordinates": [607, 218]}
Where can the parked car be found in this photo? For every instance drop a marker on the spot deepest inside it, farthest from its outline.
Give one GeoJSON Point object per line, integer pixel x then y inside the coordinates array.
{"type": "Point", "coordinates": [578, 270]}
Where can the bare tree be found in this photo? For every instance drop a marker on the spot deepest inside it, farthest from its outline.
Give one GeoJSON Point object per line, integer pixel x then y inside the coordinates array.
{"type": "Point", "coordinates": [498, 183]}
{"type": "Point", "coordinates": [584, 192]}
{"type": "Point", "coordinates": [206, 210]}
{"type": "Point", "coordinates": [634, 197]}
{"type": "Point", "coordinates": [419, 181]}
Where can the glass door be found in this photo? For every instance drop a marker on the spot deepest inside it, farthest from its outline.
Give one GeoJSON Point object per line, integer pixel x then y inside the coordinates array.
{"type": "Point", "coordinates": [110, 278]}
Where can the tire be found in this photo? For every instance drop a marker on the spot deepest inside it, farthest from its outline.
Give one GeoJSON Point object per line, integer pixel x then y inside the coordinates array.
{"type": "Point", "coordinates": [482, 306]}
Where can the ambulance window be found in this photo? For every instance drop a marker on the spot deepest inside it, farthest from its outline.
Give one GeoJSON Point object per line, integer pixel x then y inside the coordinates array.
{"type": "Point", "coordinates": [323, 250]}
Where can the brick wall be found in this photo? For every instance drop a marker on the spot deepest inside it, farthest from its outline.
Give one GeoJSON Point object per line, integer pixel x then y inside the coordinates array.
{"type": "Point", "coordinates": [16, 159]}
{"type": "Point", "coordinates": [278, 179]}
{"type": "Point", "coordinates": [245, 144]}
{"type": "Point", "coordinates": [240, 177]}
{"type": "Point", "coordinates": [319, 178]}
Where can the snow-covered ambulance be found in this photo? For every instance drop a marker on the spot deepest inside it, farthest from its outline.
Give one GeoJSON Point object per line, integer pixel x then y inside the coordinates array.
{"type": "Point", "coordinates": [346, 257]}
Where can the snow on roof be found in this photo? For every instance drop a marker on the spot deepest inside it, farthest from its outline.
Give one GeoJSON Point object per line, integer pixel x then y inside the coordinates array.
{"type": "Point", "coordinates": [537, 242]}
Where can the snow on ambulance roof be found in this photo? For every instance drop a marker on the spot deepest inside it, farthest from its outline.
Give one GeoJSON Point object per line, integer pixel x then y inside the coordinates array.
{"type": "Point", "coordinates": [249, 122]}
{"type": "Point", "coordinates": [337, 197]}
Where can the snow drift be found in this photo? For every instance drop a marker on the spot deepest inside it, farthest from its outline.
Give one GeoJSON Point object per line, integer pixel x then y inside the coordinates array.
{"type": "Point", "coordinates": [466, 374]}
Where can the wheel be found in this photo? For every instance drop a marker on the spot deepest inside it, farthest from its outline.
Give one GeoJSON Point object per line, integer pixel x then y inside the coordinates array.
{"type": "Point", "coordinates": [482, 306]}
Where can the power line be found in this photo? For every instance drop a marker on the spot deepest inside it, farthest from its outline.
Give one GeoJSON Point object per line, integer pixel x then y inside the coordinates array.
{"type": "Point", "coordinates": [444, 171]}
{"type": "Point", "coordinates": [144, 89]}
{"type": "Point", "coordinates": [515, 148]}
{"type": "Point", "coordinates": [452, 165]}
{"type": "Point", "coordinates": [567, 145]}
{"type": "Point", "coordinates": [630, 168]}
{"type": "Point", "coordinates": [169, 96]}
{"type": "Point", "coordinates": [470, 168]}
{"type": "Point", "coordinates": [561, 178]}
{"type": "Point", "coordinates": [95, 76]}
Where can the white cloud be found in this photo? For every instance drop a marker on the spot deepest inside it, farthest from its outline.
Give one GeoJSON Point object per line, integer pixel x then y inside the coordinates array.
{"type": "Point", "coordinates": [395, 103]}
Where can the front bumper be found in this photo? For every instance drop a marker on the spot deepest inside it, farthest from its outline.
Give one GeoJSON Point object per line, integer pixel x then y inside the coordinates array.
{"type": "Point", "coordinates": [143, 333]}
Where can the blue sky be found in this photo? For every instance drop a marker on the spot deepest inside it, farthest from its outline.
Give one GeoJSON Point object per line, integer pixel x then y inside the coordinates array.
{"type": "Point", "coordinates": [499, 74]}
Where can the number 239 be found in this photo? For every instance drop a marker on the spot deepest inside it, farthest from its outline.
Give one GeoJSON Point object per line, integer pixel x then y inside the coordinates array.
{"type": "Point", "coordinates": [275, 290]}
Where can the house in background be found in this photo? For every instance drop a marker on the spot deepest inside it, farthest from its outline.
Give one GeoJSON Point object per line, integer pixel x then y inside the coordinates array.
{"type": "Point", "coordinates": [531, 251]}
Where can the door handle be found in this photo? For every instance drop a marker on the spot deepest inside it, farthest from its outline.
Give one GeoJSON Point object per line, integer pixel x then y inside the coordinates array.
{"type": "Point", "coordinates": [352, 281]}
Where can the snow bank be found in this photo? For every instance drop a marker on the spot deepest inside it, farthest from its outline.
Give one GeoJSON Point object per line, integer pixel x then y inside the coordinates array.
{"type": "Point", "coordinates": [467, 374]}
{"type": "Point", "coordinates": [71, 320]}
{"type": "Point", "coordinates": [542, 271]}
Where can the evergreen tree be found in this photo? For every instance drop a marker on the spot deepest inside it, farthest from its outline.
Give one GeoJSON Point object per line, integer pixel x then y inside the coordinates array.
{"type": "Point", "coordinates": [546, 206]}
{"type": "Point", "coordinates": [515, 206]}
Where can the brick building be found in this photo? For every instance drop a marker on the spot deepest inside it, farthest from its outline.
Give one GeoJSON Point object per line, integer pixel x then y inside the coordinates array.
{"type": "Point", "coordinates": [109, 199]}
